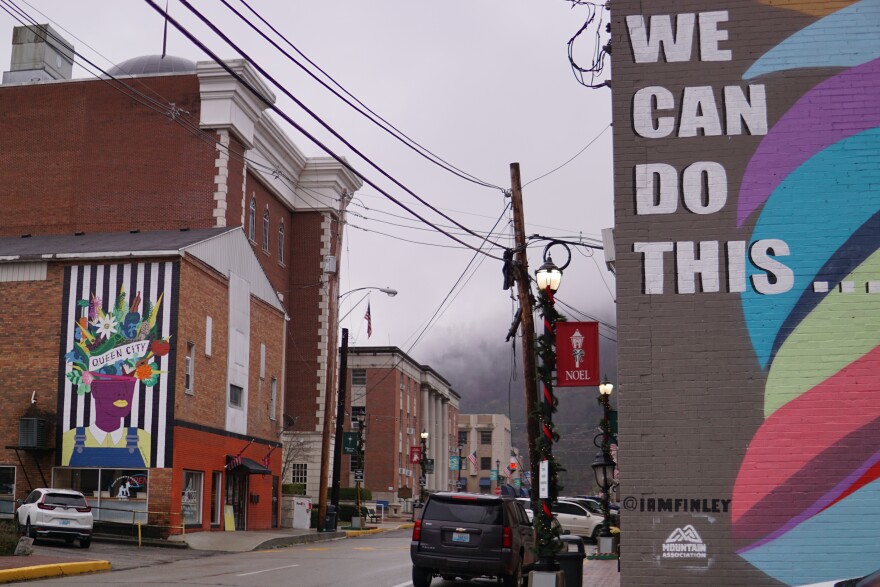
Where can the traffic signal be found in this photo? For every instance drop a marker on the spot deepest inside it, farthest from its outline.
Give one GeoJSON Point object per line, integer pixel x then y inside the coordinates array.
{"type": "Point", "coordinates": [512, 465]}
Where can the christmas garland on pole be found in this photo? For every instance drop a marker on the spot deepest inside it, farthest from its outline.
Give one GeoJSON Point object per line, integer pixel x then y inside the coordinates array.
{"type": "Point", "coordinates": [548, 541]}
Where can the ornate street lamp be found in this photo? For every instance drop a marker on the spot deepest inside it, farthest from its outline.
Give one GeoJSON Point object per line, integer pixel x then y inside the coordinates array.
{"type": "Point", "coordinates": [458, 482]}
{"type": "Point", "coordinates": [423, 479]}
{"type": "Point", "coordinates": [604, 465]}
{"type": "Point", "coordinates": [548, 278]}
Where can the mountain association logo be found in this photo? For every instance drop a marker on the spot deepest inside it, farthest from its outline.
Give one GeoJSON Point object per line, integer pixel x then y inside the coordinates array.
{"type": "Point", "coordinates": [684, 543]}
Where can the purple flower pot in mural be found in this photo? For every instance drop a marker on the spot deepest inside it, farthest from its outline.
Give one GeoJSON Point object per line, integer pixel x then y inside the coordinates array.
{"type": "Point", "coordinates": [112, 395]}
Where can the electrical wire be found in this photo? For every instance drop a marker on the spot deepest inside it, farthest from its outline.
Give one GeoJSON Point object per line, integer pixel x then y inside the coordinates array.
{"type": "Point", "coordinates": [269, 104]}
{"type": "Point", "coordinates": [386, 126]}
{"type": "Point", "coordinates": [570, 160]}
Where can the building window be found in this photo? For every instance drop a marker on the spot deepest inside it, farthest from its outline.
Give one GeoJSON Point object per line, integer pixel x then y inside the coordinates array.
{"type": "Point", "coordinates": [216, 484]}
{"type": "Point", "coordinates": [463, 437]}
{"type": "Point", "coordinates": [485, 463]}
{"type": "Point", "coordinates": [266, 231]}
{"type": "Point", "coordinates": [281, 242]}
{"type": "Point", "coordinates": [191, 500]}
{"type": "Point", "coordinates": [485, 437]}
{"type": "Point", "coordinates": [252, 220]}
{"type": "Point", "coordinates": [299, 472]}
{"type": "Point", "coordinates": [7, 491]}
{"type": "Point", "coordinates": [358, 376]}
{"type": "Point", "coordinates": [262, 360]}
{"type": "Point", "coordinates": [189, 368]}
{"type": "Point", "coordinates": [209, 332]}
{"type": "Point", "coordinates": [356, 413]}
{"type": "Point", "coordinates": [273, 398]}
{"type": "Point", "coordinates": [235, 396]}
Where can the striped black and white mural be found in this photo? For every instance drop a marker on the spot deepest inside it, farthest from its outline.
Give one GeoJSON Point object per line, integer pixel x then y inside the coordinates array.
{"type": "Point", "coordinates": [116, 372]}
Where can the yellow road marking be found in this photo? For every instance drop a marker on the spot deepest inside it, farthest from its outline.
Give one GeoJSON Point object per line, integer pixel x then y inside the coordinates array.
{"type": "Point", "coordinates": [363, 548]}
{"type": "Point", "coordinates": [317, 549]}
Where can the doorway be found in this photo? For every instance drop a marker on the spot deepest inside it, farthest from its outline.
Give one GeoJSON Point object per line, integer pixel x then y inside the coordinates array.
{"type": "Point", "coordinates": [236, 496]}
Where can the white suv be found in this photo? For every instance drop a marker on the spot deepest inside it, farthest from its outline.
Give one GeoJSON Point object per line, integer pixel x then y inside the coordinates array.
{"type": "Point", "coordinates": [56, 513]}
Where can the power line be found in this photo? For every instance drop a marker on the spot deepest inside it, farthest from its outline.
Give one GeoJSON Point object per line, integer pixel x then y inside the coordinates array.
{"type": "Point", "coordinates": [387, 127]}
{"type": "Point", "coordinates": [317, 118]}
{"type": "Point", "coordinates": [570, 160]}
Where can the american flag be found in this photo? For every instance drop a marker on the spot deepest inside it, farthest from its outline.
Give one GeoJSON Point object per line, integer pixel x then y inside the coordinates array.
{"type": "Point", "coordinates": [473, 459]}
{"type": "Point", "coordinates": [507, 471]}
{"type": "Point", "coordinates": [369, 320]}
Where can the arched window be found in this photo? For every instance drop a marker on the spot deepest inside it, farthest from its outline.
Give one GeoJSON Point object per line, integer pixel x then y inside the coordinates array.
{"type": "Point", "coordinates": [266, 231]}
{"type": "Point", "coordinates": [281, 242]}
{"type": "Point", "coordinates": [252, 220]}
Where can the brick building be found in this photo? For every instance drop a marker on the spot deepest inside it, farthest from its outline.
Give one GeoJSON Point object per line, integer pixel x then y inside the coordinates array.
{"type": "Point", "coordinates": [489, 436]}
{"type": "Point", "coordinates": [400, 399]}
{"type": "Point", "coordinates": [168, 144]}
{"type": "Point", "coordinates": [150, 380]}
{"type": "Point", "coordinates": [746, 142]}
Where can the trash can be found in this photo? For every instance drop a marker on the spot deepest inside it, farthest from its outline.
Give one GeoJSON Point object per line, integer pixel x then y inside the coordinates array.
{"type": "Point", "coordinates": [330, 519]}
{"type": "Point", "coordinates": [571, 560]}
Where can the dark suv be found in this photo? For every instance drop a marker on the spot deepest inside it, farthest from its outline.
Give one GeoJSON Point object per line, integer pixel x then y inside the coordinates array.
{"type": "Point", "coordinates": [469, 535]}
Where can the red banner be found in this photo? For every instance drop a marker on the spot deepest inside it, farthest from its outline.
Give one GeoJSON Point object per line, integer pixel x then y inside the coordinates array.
{"type": "Point", "coordinates": [577, 354]}
{"type": "Point", "coordinates": [415, 454]}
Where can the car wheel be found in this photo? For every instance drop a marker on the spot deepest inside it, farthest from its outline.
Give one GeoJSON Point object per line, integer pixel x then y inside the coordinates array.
{"type": "Point", "coordinates": [85, 542]}
{"type": "Point", "coordinates": [29, 530]}
{"type": "Point", "coordinates": [514, 580]}
{"type": "Point", "coordinates": [421, 577]}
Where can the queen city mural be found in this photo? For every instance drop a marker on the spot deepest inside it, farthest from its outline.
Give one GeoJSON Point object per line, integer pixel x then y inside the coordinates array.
{"type": "Point", "coordinates": [116, 388]}
{"type": "Point", "coordinates": [807, 497]}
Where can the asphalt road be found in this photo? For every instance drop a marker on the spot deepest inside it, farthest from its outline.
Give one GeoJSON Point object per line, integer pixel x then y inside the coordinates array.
{"type": "Point", "coordinates": [379, 560]}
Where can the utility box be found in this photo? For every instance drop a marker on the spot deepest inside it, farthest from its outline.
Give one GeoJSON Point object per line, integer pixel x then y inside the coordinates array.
{"type": "Point", "coordinates": [31, 433]}
{"type": "Point", "coordinates": [302, 513]}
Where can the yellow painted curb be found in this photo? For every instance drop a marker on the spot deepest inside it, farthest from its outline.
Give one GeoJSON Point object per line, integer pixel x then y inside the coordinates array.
{"type": "Point", "coordinates": [54, 570]}
{"type": "Point", "coordinates": [356, 533]}
{"type": "Point", "coordinates": [405, 526]}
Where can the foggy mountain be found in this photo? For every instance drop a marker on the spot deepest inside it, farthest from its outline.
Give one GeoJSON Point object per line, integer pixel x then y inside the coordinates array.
{"type": "Point", "coordinates": [491, 382]}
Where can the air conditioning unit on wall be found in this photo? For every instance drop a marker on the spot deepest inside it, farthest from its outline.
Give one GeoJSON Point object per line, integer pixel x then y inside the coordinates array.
{"type": "Point", "coordinates": [31, 433]}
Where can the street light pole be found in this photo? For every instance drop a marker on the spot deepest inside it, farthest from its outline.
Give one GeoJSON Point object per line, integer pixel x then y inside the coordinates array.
{"type": "Point", "coordinates": [458, 481]}
{"type": "Point", "coordinates": [604, 467]}
{"type": "Point", "coordinates": [423, 463]}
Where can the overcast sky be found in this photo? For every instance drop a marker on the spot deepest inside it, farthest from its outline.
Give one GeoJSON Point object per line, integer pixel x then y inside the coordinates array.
{"type": "Point", "coordinates": [481, 83]}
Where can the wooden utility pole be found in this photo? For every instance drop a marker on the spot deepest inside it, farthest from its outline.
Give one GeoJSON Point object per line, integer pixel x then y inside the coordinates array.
{"type": "Point", "coordinates": [521, 271]}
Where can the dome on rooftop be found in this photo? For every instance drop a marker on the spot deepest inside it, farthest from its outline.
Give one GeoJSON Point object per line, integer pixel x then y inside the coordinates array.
{"type": "Point", "coordinates": [148, 64]}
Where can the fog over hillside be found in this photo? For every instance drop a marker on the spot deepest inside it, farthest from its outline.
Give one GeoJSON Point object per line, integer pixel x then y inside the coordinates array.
{"type": "Point", "coordinates": [490, 380]}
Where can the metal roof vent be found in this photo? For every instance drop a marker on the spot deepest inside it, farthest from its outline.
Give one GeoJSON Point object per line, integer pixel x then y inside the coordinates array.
{"type": "Point", "coordinates": [39, 54]}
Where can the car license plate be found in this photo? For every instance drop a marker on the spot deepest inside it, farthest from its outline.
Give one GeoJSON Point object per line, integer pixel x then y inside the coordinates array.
{"type": "Point", "coordinates": [461, 537]}
{"type": "Point", "coordinates": [65, 522]}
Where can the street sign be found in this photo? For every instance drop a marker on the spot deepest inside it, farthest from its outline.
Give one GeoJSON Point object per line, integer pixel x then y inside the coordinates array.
{"type": "Point", "coordinates": [429, 466]}
{"type": "Point", "coordinates": [544, 480]}
{"type": "Point", "coordinates": [349, 443]}
{"type": "Point", "coordinates": [453, 463]}
{"type": "Point", "coordinates": [517, 483]}
{"type": "Point", "coordinates": [359, 476]}
{"type": "Point", "coordinates": [423, 481]}
{"type": "Point", "coordinates": [493, 475]}
{"type": "Point", "coordinates": [415, 454]}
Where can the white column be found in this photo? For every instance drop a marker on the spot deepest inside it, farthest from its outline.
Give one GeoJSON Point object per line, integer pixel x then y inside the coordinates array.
{"type": "Point", "coordinates": [429, 427]}
{"type": "Point", "coordinates": [444, 417]}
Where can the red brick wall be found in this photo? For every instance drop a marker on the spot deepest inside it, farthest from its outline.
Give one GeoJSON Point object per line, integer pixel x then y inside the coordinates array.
{"type": "Point", "coordinates": [196, 450]}
{"type": "Point", "coordinates": [81, 156]}
{"type": "Point", "coordinates": [265, 200]}
{"type": "Point", "coordinates": [31, 326]}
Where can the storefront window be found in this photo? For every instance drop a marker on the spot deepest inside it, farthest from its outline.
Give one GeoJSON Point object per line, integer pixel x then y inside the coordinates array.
{"type": "Point", "coordinates": [191, 501]}
{"type": "Point", "coordinates": [7, 491]}
{"type": "Point", "coordinates": [116, 495]}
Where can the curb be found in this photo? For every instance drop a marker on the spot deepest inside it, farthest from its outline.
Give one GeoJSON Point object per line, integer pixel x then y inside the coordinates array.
{"type": "Point", "coordinates": [300, 539]}
{"type": "Point", "coordinates": [53, 570]}
{"type": "Point", "coordinates": [356, 533]}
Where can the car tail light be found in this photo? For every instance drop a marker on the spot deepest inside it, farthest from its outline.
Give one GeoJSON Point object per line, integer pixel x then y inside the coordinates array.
{"type": "Point", "coordinates": [84, 510]}
{"type": "Point", "coordinates": [417, 530]}
{"type": "Point", "coordinates": [506, 537]}
{"type": "Point", "coordinates": [45, 506]}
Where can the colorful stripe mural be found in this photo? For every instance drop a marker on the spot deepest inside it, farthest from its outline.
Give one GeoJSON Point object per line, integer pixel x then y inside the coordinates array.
{"type": "Point", "coordinates": [747, 230]}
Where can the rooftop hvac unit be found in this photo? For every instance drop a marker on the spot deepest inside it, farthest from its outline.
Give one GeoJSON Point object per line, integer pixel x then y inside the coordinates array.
{"type": "Point", "coordinates": [31, 433]}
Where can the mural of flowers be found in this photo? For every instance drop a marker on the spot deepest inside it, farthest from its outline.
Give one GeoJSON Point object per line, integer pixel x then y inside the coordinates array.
{"type": "Point", "coordinates": [121, 342]}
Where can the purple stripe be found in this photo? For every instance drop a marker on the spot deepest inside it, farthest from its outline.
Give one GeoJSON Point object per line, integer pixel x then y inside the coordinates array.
{"type": "Point", "coordinates": [817, 507]}
{"type": "Point", "coordinates": [817, 120]}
